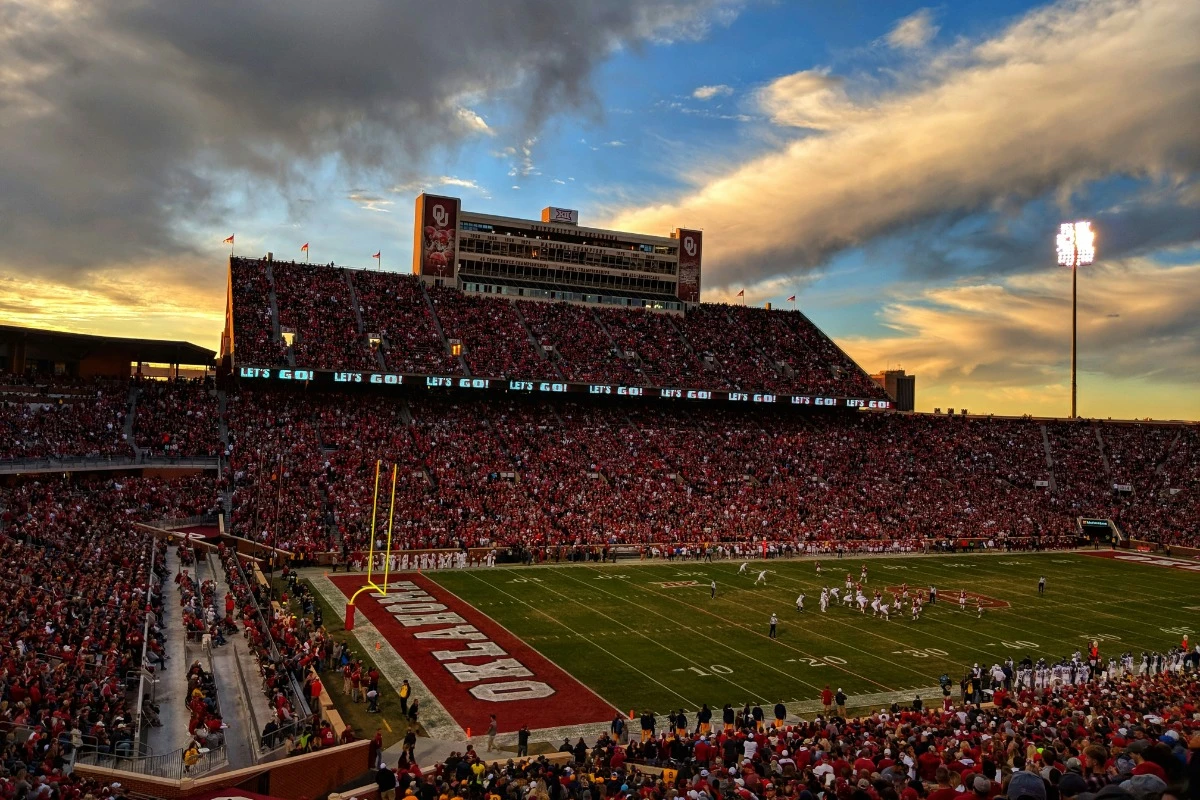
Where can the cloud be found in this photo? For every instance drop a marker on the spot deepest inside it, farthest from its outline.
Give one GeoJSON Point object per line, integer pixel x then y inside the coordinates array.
{"type": "Point", "coordinates": [1064, 96]}
{"type": "Point", "coordinates": [1137, 322]}
{"type": "Point", "coordinates": [464, 183]}
{"type": "Point", "coordinates": [128, 125]}
{"type": "Point", "coordinates": [473, 122]}
{"type": "Point", "coordinates": [614, 143]}
{"type": "Point", "coordinates": [913, 32]}
{"type": "Point", "coordinates": [709, 92]}
{"type": "Point", "coordinates": [809, 99]}
{"type": "Point", "coordinates": [370, 202]}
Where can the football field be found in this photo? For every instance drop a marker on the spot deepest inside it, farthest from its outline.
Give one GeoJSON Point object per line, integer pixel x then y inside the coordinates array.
{"type": "Point", "coordinates": [647, 635]}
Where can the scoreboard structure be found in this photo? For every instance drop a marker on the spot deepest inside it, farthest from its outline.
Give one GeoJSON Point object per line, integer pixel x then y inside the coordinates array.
{"type": "Point", "coordinates": [554, 258]}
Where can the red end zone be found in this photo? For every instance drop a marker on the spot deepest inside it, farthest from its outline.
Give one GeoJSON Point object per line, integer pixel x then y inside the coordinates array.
{"type": "Point", "coordinates": [473, 666]}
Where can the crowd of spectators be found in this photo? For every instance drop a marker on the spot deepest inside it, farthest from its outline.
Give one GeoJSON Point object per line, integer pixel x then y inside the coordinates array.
{"type": "Point", "coordinates": [655, 349]}
{"type": "Point", "coordinates": [255, 339]}
{"type": "Point", "coordinates": [177, 419]}
{"type": "Point", "coordinates": [63, 418]}
{"type": "Point", "coordinates": [1126, 739]}
{"type": "Point", "coordinates": [580, 347]}
{"type": "Point", "coordinates": [710, 346]}
{"type": "Point", "coordinates": [481, 472]}
{"type": "Point", "coordinates": [1167, 509]}
{"type": "Point", "coordinates": [73, 638]}
{"type": "Point", "coordinates": [394, 307]}
{"type": "Point", "coordinates": [314, 303]}
{"type": "Point", "coordinates": [1078, 468]}
{"type": "Point", "coordinates": [495, 342]}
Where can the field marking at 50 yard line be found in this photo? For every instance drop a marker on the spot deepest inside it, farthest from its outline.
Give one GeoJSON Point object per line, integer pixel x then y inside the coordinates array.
{"type": "Point", "coordinates": [575, 634]}
{"type": "Point", "coordinates": [726, 645]}
{"type": "Point", "coordinates": [754, 631]}
{"type": "Point", "coordinates": [1120, 624]}
{"type": "Point", "coordinates": [934, 659]}
{"type": "Point", "coordinates": [686, 659]}
{"type": "Point", "coordinates": [941, 617]}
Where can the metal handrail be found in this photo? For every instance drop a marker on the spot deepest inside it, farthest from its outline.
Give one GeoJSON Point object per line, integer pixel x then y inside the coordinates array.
{"type": "Point", "coordinates": [301, 706]}
{"type": "Point", "coordinates": [167, 765]}
{"type": "Point", "coordinates": [141, 691]}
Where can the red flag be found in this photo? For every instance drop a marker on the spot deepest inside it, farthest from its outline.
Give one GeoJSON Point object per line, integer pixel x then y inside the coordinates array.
{"type": "Point", "coordinates": [742, 293]}
{"type": "Point", "coordinates": [377, 254]}
{"type": "Point", "coordinates": [792, 299]}
{"type": "Point", "coordinates": [228, 241]}
{"type": "Point", "coordinates": [304, 248]}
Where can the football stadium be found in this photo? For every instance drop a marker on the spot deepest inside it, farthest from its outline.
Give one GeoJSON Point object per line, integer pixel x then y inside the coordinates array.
{"type": "Point", "coordinates": [632, 498]}
{"type": "Point", "coordinates": [515, 502]}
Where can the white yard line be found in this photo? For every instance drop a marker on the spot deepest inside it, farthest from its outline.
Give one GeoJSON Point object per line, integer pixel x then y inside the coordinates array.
{"type": "Point", "coordinates": [582, 637]}
{"type": "Point", "coordinates": [757, 631]}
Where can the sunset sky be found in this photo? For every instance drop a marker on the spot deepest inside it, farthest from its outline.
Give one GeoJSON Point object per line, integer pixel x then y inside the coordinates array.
{"type": "Point", "coordinates": [901, 168]}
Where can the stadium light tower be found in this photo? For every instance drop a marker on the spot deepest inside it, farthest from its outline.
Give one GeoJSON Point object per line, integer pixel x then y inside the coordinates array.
{"type": "Point", "coordinates": [1076, 248]}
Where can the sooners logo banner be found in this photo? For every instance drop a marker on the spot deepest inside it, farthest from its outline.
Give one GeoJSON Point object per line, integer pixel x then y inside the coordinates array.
{"type": "Point", "coordinates": [473, 666]}
{"type": "Point", "coordinates": [688, 281]}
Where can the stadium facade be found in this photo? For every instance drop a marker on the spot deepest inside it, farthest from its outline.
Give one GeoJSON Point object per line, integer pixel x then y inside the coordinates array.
{"type": "Point", "coordinates": [554, 258]}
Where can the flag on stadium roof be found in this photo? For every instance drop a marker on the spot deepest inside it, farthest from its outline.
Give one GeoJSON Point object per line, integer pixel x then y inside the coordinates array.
{"type": "Point", "coordinates": [377, 254]}
{"type": "Point", "coordinates": [229, 240]}
{"type": "Point", "coordinates": [742, 293]}
{"type": "Point", "coordinates": [792, 299]}
{"type": "Point", "coordinates": [304, 247]}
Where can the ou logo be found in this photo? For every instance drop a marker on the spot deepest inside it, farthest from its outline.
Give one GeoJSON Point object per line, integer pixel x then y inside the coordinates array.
{"type": "Point", "coordinates": [440, 216]}
{"type": "Point", "coordinates": [689, 245]}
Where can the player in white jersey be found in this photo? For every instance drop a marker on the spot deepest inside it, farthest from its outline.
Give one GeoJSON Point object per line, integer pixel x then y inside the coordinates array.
{"type": "Point", "coordinates": [848, 598]}
{"type": "Point", "coordinates": [875, 606]}
{"type": "Point", "coordinates": [824, 601]}
{"type": "Point", "coordinates": [800, 602]}
{"type": "Point", "coordinates": [884, 611]}
{"type": "Point", "coordinates": [762, 578]}
{"type": "Point", "coordinates": [862, 602]}
{"type": "Point", "coordinates": [742, 569]}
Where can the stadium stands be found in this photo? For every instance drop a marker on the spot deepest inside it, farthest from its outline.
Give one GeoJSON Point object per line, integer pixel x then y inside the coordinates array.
{"type": "Point", "coordinates": [713, 347]}
{"type": "Point", "coordinates": [314, 303]}
{"type": "Point", "coordinates": [394, 307]}
{"type": "Point", "coordinates": [73, 637]}
{"type": "Point", "coordinates": [63, 418]}
{"type": "Point", "coordinates": [176, 419]}
{"type": "Point", "coordinates": [253, 324]}
{"type": "Point", "coordinates": [496, 343]}
{"type": "Point", "coordinates": [476, 471]}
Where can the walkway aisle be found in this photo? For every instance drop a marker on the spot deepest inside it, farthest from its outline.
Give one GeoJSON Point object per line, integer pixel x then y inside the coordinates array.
{"type": "Point", "coordinates": [170, 693]}
{"type": "Point", "coordinates": [240, 734]}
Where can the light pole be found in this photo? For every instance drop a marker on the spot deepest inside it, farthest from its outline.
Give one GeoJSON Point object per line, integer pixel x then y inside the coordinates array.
{"type": "Point", "coordinates": [1076, 246]}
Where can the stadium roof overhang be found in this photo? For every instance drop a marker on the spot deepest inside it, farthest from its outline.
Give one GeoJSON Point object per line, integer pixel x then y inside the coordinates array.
{"type": "Point", "coordinates": [74, 347]}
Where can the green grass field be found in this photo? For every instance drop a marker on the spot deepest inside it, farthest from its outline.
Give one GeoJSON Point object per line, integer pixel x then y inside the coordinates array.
{"type": "Point", "coordinates": [643, 646]}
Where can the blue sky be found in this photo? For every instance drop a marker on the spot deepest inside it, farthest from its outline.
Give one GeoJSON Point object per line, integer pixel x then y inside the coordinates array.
{"type": "Point", "coordinates": [900, 167]}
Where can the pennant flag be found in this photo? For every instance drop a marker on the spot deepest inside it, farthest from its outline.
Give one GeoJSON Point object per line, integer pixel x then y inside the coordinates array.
{"type": "Point", "coordinates": [304, 248]}
{"type": "Point", "coordinates": [792, 299]}
{"type": "Point", "coordinates": [377, 254]}
{"type": "Point", "coordinates": [742, 293]}
{"type": "Point", "coordinates": [228, 241]}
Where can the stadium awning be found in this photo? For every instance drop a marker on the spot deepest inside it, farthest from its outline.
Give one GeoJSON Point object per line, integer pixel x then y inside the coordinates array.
{"type": "Point", "coordinates": [73, 347]}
